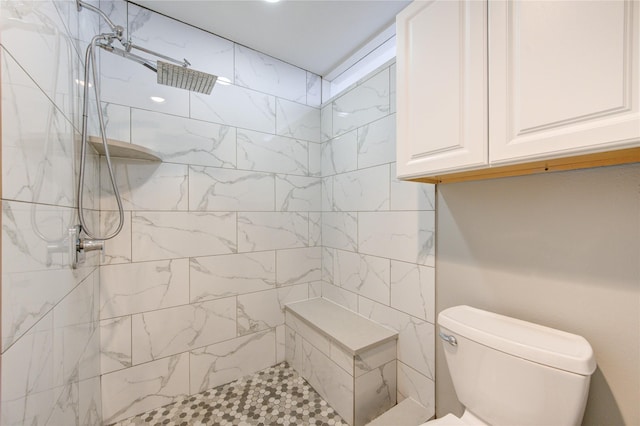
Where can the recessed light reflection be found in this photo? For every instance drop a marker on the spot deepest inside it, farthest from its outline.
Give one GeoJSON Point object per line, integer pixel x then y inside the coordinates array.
{"type": "Point", "coordinates": [223, 81]}
{"type": "Point", "coordinates": [272, 1]}
{"type": "Point", "coordinates": [157, 99]}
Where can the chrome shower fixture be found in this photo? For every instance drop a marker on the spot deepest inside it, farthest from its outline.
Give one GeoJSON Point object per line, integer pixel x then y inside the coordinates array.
{"type": "Point", "coordinates": [178, 75]}
{"type": "Point", "coordinates": [184, 78]}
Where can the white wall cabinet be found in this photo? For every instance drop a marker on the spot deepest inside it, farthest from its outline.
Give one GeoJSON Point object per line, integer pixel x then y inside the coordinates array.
{"type": "Point", "coordinates": [442, 86]}
{"type": "Point", "coordinates": [483, 85]}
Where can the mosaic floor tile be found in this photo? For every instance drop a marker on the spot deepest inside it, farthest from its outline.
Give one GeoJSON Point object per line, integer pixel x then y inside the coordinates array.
{"type": "Point", "coordinates": [275, 396]}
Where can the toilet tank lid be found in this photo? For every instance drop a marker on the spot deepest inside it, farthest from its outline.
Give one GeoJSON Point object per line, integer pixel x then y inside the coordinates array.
{"type": "Point", "coordinates": [534, 342]}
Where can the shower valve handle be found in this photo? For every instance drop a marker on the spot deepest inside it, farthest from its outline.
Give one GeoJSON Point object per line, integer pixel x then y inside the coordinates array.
{"type": "Point", "coordinates": [78, 246]}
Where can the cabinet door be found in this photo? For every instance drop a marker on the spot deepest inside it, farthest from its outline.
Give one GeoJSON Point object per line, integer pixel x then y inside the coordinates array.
{"type": "Point", "coordinates": [441, 87]}
{"type": "Point", "coordinates": [563, 78]}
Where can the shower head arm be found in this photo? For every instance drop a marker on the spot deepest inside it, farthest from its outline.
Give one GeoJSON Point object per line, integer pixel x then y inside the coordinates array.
{"type": "Point", "coordinates": [128, 55]}
{"type": "Point", "coordinates": [128, 45]}
{"type": "Point", "coordinates": [118, 30]}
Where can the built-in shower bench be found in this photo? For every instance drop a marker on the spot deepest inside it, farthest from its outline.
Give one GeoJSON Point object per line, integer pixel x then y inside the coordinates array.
{"type": "Point", "coordinates": [348, 359]}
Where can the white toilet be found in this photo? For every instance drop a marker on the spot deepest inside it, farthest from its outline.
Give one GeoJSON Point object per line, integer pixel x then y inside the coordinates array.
{"type": "Point", "coordinates": [511, 372]}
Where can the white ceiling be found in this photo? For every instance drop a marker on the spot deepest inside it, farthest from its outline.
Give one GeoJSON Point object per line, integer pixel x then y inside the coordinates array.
{"type": "Point", "coordinates": [316, 35]}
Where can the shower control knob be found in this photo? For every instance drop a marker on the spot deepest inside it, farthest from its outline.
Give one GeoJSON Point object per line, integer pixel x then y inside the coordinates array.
{"type": "Point", "coordinates": [79, 246]}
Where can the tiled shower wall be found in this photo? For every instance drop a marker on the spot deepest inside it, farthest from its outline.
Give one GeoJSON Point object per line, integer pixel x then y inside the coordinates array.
{"type": "Point", "coordinates": [251, 202]}
{"type": "Point", "coordinates": [378, 233]}
{"type": "Point", "coordinates": [255, 205]}
{"type": "Point", "coordinates": [50, 362]}
{"type": "Point", "coordinates": [222, 233]}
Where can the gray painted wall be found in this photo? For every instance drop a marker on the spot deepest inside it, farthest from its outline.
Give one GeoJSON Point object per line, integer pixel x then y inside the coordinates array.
{"type": "Point", "coordinates": [562, 250]}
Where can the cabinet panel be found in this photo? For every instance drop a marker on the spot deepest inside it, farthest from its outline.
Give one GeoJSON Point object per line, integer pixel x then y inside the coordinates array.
{"type": "Point", "coordinates": [563, 78]}
{"type": "Point", "coordinates": [441, 87]}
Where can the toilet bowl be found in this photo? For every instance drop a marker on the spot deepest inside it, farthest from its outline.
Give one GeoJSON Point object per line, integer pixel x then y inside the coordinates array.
{"type": "Point", "coordinates": [506, 371]}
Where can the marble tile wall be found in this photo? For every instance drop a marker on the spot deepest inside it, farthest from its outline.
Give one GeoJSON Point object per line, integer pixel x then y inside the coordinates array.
{"type": "Point", "coordinates": [50, 361]}
{"type": "Point", "coordinates": [222, 233]}
{"type": "Point", "coordinates": [377, 232]}
{"type": "Point", "coordinates": [264, 197]}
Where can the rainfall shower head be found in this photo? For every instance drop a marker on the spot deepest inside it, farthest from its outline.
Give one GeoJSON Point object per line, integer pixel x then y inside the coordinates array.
{"type": "Point", "coordinates": [185, 78]}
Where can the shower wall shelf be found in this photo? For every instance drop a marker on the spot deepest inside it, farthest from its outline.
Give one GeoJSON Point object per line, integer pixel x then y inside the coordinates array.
{"type": "Point", "coordinates": [118, 149]}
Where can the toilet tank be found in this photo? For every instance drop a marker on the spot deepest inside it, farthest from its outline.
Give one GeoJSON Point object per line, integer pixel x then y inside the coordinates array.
{"type": "Point", "coordinates": [511, 372]}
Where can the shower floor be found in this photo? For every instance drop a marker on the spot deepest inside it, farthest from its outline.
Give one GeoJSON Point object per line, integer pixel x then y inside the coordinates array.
{"type": "Point", "coordinates": [275, 396]}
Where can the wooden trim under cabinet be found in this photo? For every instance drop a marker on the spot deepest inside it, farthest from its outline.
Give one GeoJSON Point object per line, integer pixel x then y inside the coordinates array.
{"type": "Point", "coordinates": [600, 159]}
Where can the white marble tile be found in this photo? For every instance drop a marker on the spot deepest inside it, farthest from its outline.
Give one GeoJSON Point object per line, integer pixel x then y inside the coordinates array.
{"type": "Point", "coordinates": [144, 387]}
{"type": "Point", "coordinates": [28, 392]}
{"type": "Point", "coordinates": [34, 34]}
{"type": "Point", "coordinates": [314, 90]}
{"type": "Point", "coordinates": [268, 231]}
{"type": "Point", "coordinates": [65, 410]}
{"type": "Point", "coordinates": [365, 275]}
{"type": "Point", "coordinates": [315, 289]}
{"type": "Point", "coordinates": [340, 296]}
{"type": "Point", "coordinates": [377, 142]}
{"type": "Point", "coordinates": [116, 10]}
{"type": "Point", "coordinates": [293, 349]}
{"type": "Point", "coordinates": [236, 106]}
{"type": "Point", "coordinates": [412, 384]}
{"type": "Point", "coordinates": [375, 393]}
{"type": "Point", "coordinates": [139, 287]}
{"type": "Point", "coordinates": [76, 333]}
{"type": "Point", "coordinates": [327, 194]}
{"type": "Point", "coordinates": [119, 76]}
{"type": "Point", "coordinates": [340, 154]}
{"type": "Point", "coordinates": [315, 159]}
{"type": "Point", "coordinates": [326, 122]}
{"type": "Point", "coordinates": [115, 344]}
{"type": "Point", "coordinates": [224, 362]}
{"type": "Point", "coordinates": [214, 277]}
{"type": "Point", "coordinates": [297, 266]}
{"type": "Point", "coordinates": [328, 260]}
{"type": "Point", "coordinates": [267, 74]}
{"type": "Point", "coordinates": [271, 153]}
{"type": "Point", "coordinates": [264, 310]}
{"type": "Point", "coordinates": [298, 193]}
{"type": "Point", "coordinates": [308, 333]}
{"type": "Point", "coordinates": [315, 229]}
{"type": "Point", "coordinates": [353, 332]}
{"type": "Point", "coordinates": [362, 190]}
{"type": "Point", "coordinates": [117, 249]}
{"type": "Point", "coordinates": [205, 51]}
{"type": "Point", "coordinates": [406, 236]}
{"type": "Point", "coordinates": [79, 26]}
{"type": "Point", "coordinates": [161, 235]}
{"type": "Point", "coordinates": [297, 121]}
{"type": "Point", "coordinates": [117, 120]}
{"type": "Point", "coordinates": [342, 357]}
{"type": "Point", "coordinates": [164, 332]}
{"type": "Point", "coordinates": [38, 142]}
{"type": "Point", "coordinates": [35, 265]}
{"type": "Point", "coordinates": [413, 289]}
{"type": "Point", "coordinates": [415, 339]}
{"type": "Point", "coordinates": [363, 104]}
{"type": "Point", "coordinates": [340, 230]}
{"type": "Point", "coordinates": [90, 405]}
{"type": "Point", "coordinates": [144, 185]}
{"type": "Point", "coordinates": [280, 343]}
{"type": "Point", "coordinates": [333, 383]}
{"type": "Point", "coordinates": [214, 189]}
{"type": "Point", "coordinates": [407, 195]}
{"type": "Point", "coordinates": [375, 357]}
{"type": "Point", "coordinates": [183, 140]}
